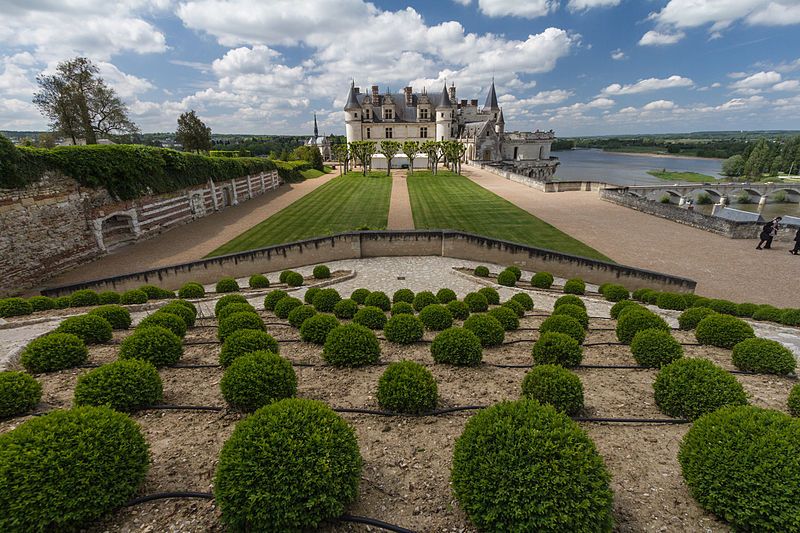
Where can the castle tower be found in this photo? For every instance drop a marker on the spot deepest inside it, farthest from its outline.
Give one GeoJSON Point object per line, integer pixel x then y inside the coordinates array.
{"type": "Point", "coordinates": [500, 125]}
{"type": "Point", "coordinates": [491, 103]}
{"type": "Point", "coordinates": [352, 115]}
{"type": "Point", "coordinates": [444, 118]}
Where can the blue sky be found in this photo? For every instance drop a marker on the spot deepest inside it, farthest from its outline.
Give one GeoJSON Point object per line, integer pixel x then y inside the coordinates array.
{"type": "Point", "coordinates": [580, 67]}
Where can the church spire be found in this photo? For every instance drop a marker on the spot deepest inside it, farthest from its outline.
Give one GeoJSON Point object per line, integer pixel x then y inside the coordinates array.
{"type": "Point", "coordinates": [316, 130]}
{"type": "Point", "coordinates": [491, 100]}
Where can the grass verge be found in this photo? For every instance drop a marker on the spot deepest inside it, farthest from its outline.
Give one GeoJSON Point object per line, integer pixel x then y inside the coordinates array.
{"type": "Point", "coordinates": [692, 177]}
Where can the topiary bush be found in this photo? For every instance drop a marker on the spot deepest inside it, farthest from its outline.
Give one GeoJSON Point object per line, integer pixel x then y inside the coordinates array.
{"type": "Point", "coordinates": [523, 466]}
{"type": "Point", "coordinates": [575, 286]}
{"type": "Point", "coordinates": [492, 296]}
{"type": "Point", "coordinates": [516, 270]}
{"type": "Point", "coordinates": [524, 300]}
{"type": "Point", "coordinates": [351, 345]}
{"type": "Point", "coordinates": [290, 466]}
{"type": "Point", "coordinates": [66, 469]}
{"type": "Point", "coordinates": [321, 272]}
{"type": "Point", "coordinates": [132, 297]}
{"type": "Point", "coordinates": [109, 297]}
{"type": "Point", "coordinates": [311, 292]}
{"type": "Point", "coordinates": [156, 293]}
{"type": "Point", "coordinates": [316, 328]}
{"type": "Point", "coordinates": [702, 302]}
{"type": "Point", "coordinates": [125, 385]}
{"type": "Point", "coordinates": [174, 323]}
{"type": "Point", "coordinates": [273, 297]}
{"type": "Point", "coordinates": [742, 463]}
{"type": "Point", "coordinates": [458, 309]}
{"type": "Point", "coordinates": [424, 299]}
{"type": "Point", "coordinates": [14, 307]}
{"type": "Point", "coordinates": [402, 308]}
{"type": "Point", "coordinates": [84, 298]}
{"type": "Point", "coordinates": [746, 310]}
{"type": "Point", "coordinates": [227, 285]}
{"type": "Point", "coordinates": [514, 306]}
{"type": "Point", "coordinates": [116, 315]}
{"type": "Point", "coordinates": [403, 295]}
{"type": "Point", "coordinates": [689, 319]}
{"type": "Point", "coordinates": [326, 299]}
{"type": "Point", "coordinates": [188, 314]}
{"type": "Point", "coordinates": [671, 300]}
{"type": "Point", "coordinates": [724, 307]}
{"type": "Point", "coordinates": [359, 296]}
{"type": "Point", "coordinates": [184, 303]}
{"type": "Point", "coordinates": [764, 356]}
{"type": "Point", "coordinates": [246, 341]}
{"type": "Point", "coordinates": [793, 402]}
{"type": "Point", "coordinates": [554, 348]}
{"type": "Point", "coordinates": [564, 324]}
{"type": "Point", "coordinates": [487, 328]}
{"type": "Point", "coordinates": [506, 316]}
{"type": "Point", "coordinates": [282, 276]}
{"type": "Point", "coordinates": [192, 290]}
{"type": "Point", "coordinates": [237, 321]}
{"type": "Point", "coordinates": [19, 394]}
{"type": "Point", "coordinates": [723, 331]}
{"type": "Point", "coordinates": [554, 385]}
{"type": "Point", "coordinates": [230, 309]}
{"type": "Point", "coordinates": [285, 306]}
{"type": "Point", "coordinates": [690, 298]}
{"type": "Point", "coordinates": [407, 387]}
{"type": "Point", "coordinates": [507, 278]}
{"type": "Point", "coordinates": [616, 293]}
{"type": "Point", "coordinates": [651, 297]}
{"type": "Point", "coordinates": [258, 281]}
{"type": "Point", "coordinates": [476, 302]}
{"type": "Point", "coordinates": [569, 299]}
{"type": "Point", "coordinates": [690, 388]}
{"type": "Point", "coordinates": [655, 348]}
{"type": "Point", "coordinates": [632, 321]}
{"type": "Point", "coordinates": [155, 344]}
{"type": "Point", "coordinates": [457, 346]}
{"type": "Point", "coordinates": [542, 280]}
{"type": "Point", "coordinates": [54, 351]}
{"type": "Point", "coordinates": [445, 296]}
{"type": "Point", "coordinates": [294, 279]}
{"type": "Point", "coordinates": [404, 328]}
{"type": "Point", "coordinates": [436, 317]}
{"type": "Point", "coordinates": [617, 308]}
{"type": "Point", "coordinates": [258, 379]}
{"type": "Point", "coordinates": [767, 313]}
{"type": "Point", "coordinates": [62, 302]}
{"type": "Point", "coordinates": [42, 303]}
{"type": "Point", "coordinates": [576, 312]}
{"type": "Point", "coordinates": [92, 329]}
{"type": "Point", "coordinates": [640, 294]}
{"type": "Point", "coordinates": [371, 317]}
{"type": "Point", "coordinates": [300, 314]}
{"type": "Point", "coordinates": [378, 299]}
{"type": "Point", "coordinates": [790, 317]}
{"type": "Point", "coordinates": [481, 271]}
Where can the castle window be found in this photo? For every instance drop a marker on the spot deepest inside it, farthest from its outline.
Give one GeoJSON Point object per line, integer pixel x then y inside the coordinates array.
{"type": "Point", "coordinates": [423, 113]}
{"type": "Point", "coordinates": [387, 113]}
{"type": "Point", "coordinates": [369, 133]}
{"type": "Point", "coordinates": [366, 113]}
{"type": "Point", "coordinates": [388, 133]}
{"type": "Point", "coordinates": [423, 132]}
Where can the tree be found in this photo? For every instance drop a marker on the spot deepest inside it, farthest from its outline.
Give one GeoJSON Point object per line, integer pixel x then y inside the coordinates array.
{"type": "Point", "coordinates": [453, 152]}
{"type": "Point", "coordinates": [79, 104]}
{"type": "Point", "coordinates": [434, 151]}
{"type": "Point", "coordinates": [363, 151]}
{"type": "Point", "coordinates": [759, 161]}
{"type": "Point", "coordinates": [192, 133]}
{"type": "Point", "coordinates": [733, 166]}
{"type": "Point", "coordinates": [410, 148]}
{"type": "Point", "coordinates": [310, 154]}
{"type": "Point", "coordinates": [46, 140]}
{"type": "Point", "coordinates": [389, 149]}
{"type": "Point", "coordinates": [342, 156]}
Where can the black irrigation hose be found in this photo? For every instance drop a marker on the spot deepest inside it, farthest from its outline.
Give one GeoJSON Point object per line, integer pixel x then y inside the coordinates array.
{"type": "Point", "coordinates": [634, 420]}
{"type": "Point", "coordinates": [436, 412]}
{"type": "Point", "coordinates": [206, 365]}
{"type": "Point", "coordinates": [199, 343]}
{"type": "Point", "coordinates": [374, 522]}
{"type": "Point", "coordinates": [167, 407]}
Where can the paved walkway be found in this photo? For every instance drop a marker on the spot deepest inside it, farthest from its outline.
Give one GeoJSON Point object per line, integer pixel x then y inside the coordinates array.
{"type": "Point", "coordinates": [400, 207]}
{"type": "Point", "coordinates": [723, 268]}
{"type": "Point", "coordinates": [193, 241]}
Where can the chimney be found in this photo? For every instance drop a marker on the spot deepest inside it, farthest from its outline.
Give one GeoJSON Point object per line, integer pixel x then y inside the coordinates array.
{"type": "Point", "coordinates": [463, 103]}
{"type": "Point", "coordinates": [375, 94]}
{"type": "Point", "coordinates": [409, 95]}
{"type": "Point", "coordinates": [452, 92]}
{"type": "Point", "coordinates": [473, 103]}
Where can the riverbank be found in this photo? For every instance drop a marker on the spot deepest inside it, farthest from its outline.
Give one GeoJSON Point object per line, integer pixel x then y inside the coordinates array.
{"type": "Point", "coordinates": [663, 155]}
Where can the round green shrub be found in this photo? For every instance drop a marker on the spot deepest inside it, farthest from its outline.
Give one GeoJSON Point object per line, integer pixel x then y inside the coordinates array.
{"type": "Point", "coordinates": [575, 286]}
{"type": "Point", "coordinates": [19, 393]}
{"type": "Point", "coordinates": [92, 329]}
{"type": "Point", "coordinates": [767, 313]}
{"type": "Point", "coordinates": [64, 470]}
{"type": "Point", "coordinates": [655, 348]}
{"type": "Point", "coordinates": [407, 387]}
{"type": "Point", "coordinates": [690, 298]}
{"type": "Point", "coordinates": [378, 299]}
{"type": "Point", "coordinates": [671, 300]}
{"type": "Point", "coordinates": [230, 309]}
{"type": "Point", "coordinates": [424, 299]}
{"type": "Point", "coordinates": [62, 302]}
{"type": "Point", "coordinates": [290, 466]}
{"type": "Point", "coordinates": [523, 466]}
{"type": "Point", "coordinates": [84, 298]}
{"type": "Point", "coordinates": [41, 303]}
{"type": "Point", "coordinates": [188, 305]}
{"type": "Point", "coordinates": [258, 281]}
{"type": "Point", "coordinates": [403, 295]}
{"type": "Point", "coordinates": [273, 297]}
{"type": "Point", "coordinates": [445, 296]}
{"type": "Point", "coordinates": [554, 348]}
{"type": "Point", "coordinates": [345, 309]}
{"type": "Point", "coordinates": [237, 321]}
{"type": "Point", "coordinates": [258, 379]}
{"type": "Point", "coordinates": [125, 385]}
{"type": "Point", "coordinates": [458, 309]}
{"type": "Point", "coordinates": [109, 297]}
{"type": "Point", "coordinates": [227, 300]}
{"type": "Point", "coordinates": [764, 356]}
{"type": "Point", "coordinates": [507, 278]}
{"type": "Point", "coordinates": [689, 319]}
{"type": "Point", "coordinates": [514, 306]}
{"type": "Point", "coordinates": [481, 271]}
{"type": "Point", "coordinates": [476, 302]}
{"type": "Point", "coordinates": [457, 346]}
{"type": "Point", "coordinates": [317, 328]}
{"type": "Point", "coordinates": [283, 275]}
{"type": "Point", "coordinates": [524, 300]}
{"type": "Point", "coordinates": [690, 388]}
{"type": "Point", "coordinates": [436, 317]}
{"type": "Point", "coordinates": [311, 292]}
{"type": "Point", "coordinates": [723, 331]}
{"type": "Point", "coordinates": [404, 328]}
{"type": "Point", "coordinates": [351, 345]}
{"type": "Point", "coordinates": [116, 315]}
{"type": "Point", "coordinates": [156, 293]}
{"type": "Point", "coordinates": [633, 320]}
{"type": "Point", "coordinates": [506, 316]}
{"type": "Point", "coordinates": [321, 272]}
{"type": "Point", "coordinates": [132, 297]}
{"type": "Point", "coordinates": [402, 308]}
{"type": "Point", "coordinates": [492, 296]}
{"type": "Point", "coordinates": [617, 308]}
{"type": "Point", "coordinates": [294, 279]}
{"type": "Point", "coordinates": [174, 323]}
{"type": "Point", "coordinates": [359, 296]}
{"type": "Point", "coordinates": [793, 402]}
{"type": "Point", "coordinates": [300, 314]}
{"type": "Point", "coordinates": [746, 310]}
{"type": "Point", "coordinates": [246, 341]}
{"type": "Point", "coordinates": [227, 285]}
{"type": "Point", "coordinates": [652, 297]}
{"type": "Point", "coordinates": [742, 463]}
{"type": "Point", "coordinates": [616, 293]}
{"type": "Point", "coordinates": [516, 270]}
{"type": "Point", "coordinates": [488, 329]}
{"type": "Point", "coordinates": [702, 302]}
{"type": "Point", "coordinates": [371, 317]}
{"type": "Point", "coordinates": [326, 299]}
{"type": "Point", "coordinates": [54, 351]}
{"type": "Point", "coordinates": [576, 312]}
{"type": "Point", "coordinates": [542, 280]}
{"type": "Point", "coordinates": [285, 306]}
{"type": "Point", "coordinates": [564, 324]}
{"type": "Point", "coordinates": [602, 288]}
{"type": "Point", "coordinates": [569, 299]}
{"type": "Point", "coordinates": [14, 307]}
{"type": "Point", "coordinates": [554, 385]}
{"type": "Point", "coordinates": [640, 294]}
{"type": "Point", "coordinates": [192, 290]}
{"type": "Point", "coordinates": [724, 307]}
{"type": "Point", "coordinates": [155, 344]}
{"type": "Point", "coordinates": [188, 314]}
{"type": "Point", "coordinates": [790, 317]}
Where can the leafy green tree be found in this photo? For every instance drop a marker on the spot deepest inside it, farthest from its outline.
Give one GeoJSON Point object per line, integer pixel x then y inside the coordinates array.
{"type": "Point", "coordinates": [192, 133]}
{"type": "Point", "coordinates": [342, 156]}
{"type": "Point", "coordinates": [389, 149]}
{"type": "Point", "coordinates": [310, 154]}
{"type": "Point", "coordinates": [435, 151]}
{"type": "Point", "coordinates": [410, 148]}
{"type": "Point", "coordinates": [453, 152]}
{"type": "Point", "coordinates": [758, 163]}
{"type": "Point", "coordinates": [363, 152]}
{"type": "Point", "coordinates": [733, 166]}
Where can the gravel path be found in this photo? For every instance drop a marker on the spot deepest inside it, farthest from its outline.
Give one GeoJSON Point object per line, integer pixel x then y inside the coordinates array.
{"type": "Point", "coordinates": [400, 207]}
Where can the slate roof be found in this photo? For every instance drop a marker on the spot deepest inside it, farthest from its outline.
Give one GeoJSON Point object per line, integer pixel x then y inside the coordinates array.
{"type": "Point", "coordinates": [491, 99]}
{"type": "Point", "coordinates": [738, 215]}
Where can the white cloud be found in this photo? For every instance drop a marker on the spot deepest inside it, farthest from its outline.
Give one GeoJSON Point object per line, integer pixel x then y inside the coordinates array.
{"type": "Point", "coordinates": [582, 5]}
{"type": "Point", "coordinates": [756, 82]}
{"type": "Point", "coordinates": [656, 38]}
{"type": "Point", "coordinates": [618, 55]}
{"type": "Point", "coordinates": [126, 85]}
{"type": "Point", "coordinates": [649, 84]}
{"type": "Point", "coordinates": [463, 2]}
{"type": "Point", "coordinates": [515, 8]}
{"type": "Point", "coordinates": [721, 14]}
{"type": "Point", "coordinates": [659, 105]}
{"type": "Point", "coordinates": [788, 85]}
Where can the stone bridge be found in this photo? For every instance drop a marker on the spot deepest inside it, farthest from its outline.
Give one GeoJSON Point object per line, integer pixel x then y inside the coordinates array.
{"type": "Point", "coordinates": [721, 193]}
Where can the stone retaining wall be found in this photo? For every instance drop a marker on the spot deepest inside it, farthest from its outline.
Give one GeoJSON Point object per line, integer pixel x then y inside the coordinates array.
{"type": "Point", "coordinates": [545, 186]}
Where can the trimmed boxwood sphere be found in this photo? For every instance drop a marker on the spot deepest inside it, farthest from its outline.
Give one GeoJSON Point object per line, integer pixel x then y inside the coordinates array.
{"type": "Point", "coordinates": [575, 286]}
{"type": "Point", "coordinates": [325, 300]}
{"type": "Point", "coordinates": [371, 317]}
{"type": "Point", "coordinates": [109, 297]}
{"type": "Point", "coordinates": [360, 295]}
{"type": "Point", "coordinates": [746, 310]}
{"type": "Point", "coordinates": [655, 348]}
{"type": "Point", "coordinates": [763, 356]}
{"type": "Point", "coordinates": [725, 307]}
{"type": "Point", "coordinates": [185, 303]}
{"type": "Point", "coordinates": [19, 393]}
{"type": "Point", "coordinates": [639, 294]}
{"type": "Point", "coordinates": [632, 321]}
{"type": "Point", "coordinates": [345, 309]}
{"type": "Point", "coordinates": [524, 300]}
{"type": "Point", "coordinates": [767, 313]}
{"type": "Point", "coordinates": [542, 280]}
{"type": "Point", "coordinates": [116, 315]}
{"type": "Point", "coordinates": [616, 293]}
{"type": "Point", "coordinates": [793, 403]}
{"type": "Point", "coordinates": [403, 295]}
{"type": "Point", "coordinates": [689, 319]}
{"type": "Point", "coordinates": [403, 328]}
{"type": "Point", "coordinates": [299, 314]}
{"type": "Point", "coordinates": [227, 300]}
{"type": "Point", "coordinates": [125, 385]}
{"type": "Point", "coordinates": [436, 317]}
{"type": "Point", "coordinates": [63, 470]}
{"type": "Point", "coordinates": [91, 328]}
{"type": "Point", "coordinates": [488, 329]}
{"type": "Point", "coordinates": [378, 299]}
{"type": "Point", "coordinates": [133, 296]}
{"type": "Point", "coordinates": [308, 297]}
{"type": "Point", "coordinates": [743, 464]}
{"type": "Point", "coordinates": [652, 297]}
{"type": "Point", "coordinates": [54, 351]}
{"type": "Point", "coordinates": [174, 323]}
{"type": "Point", "coordinates": [237, 321]}
{"type": "Point", "coordinates": [402, 308]}
{"type": "Point", "coordinates": [290, 466]}
{"type": "Point", "coordinates": [294, 279]}
{"type": "Point", "coordinates": [514, 306]}
{"type": "Point", "coordinates": [273, 297]}
{"type": "Point", "coordinates": [690, 388]}
{"type": "Point", "coordinates": [258, 281]}
{"type": "Point", "coordinates": [84, 298]}
{"type": "Point", "coordinates": [575, 311]}
{"type": "Point", "coordinates": [153, 343]}
{"type": "Point", "coordinates": [723, 331]}
{"type": "Point", "coordinates": [285, 306]}
{"type": "Point", "coordinates": [192, 290]}
{"type": "Point", "coordinates": [188, 314]}
{"type": "Point", "coordinates": [227, 285]}
{"type": "Point", "coordinates": [790, 317]}
{"type": "Point", "coordinates": [424, 299]}
{"type": "Point", "coordinates": [446, 296]}
{"type": "Point", "coordinates": [564, 324]}
{"type": "Point", "coordinates": [507, 278]}
{"type": "Point", "coordinates": [476, 302]}
{"type": "Point", "coordinates": [523, 466]}
{"type": "Point", "coordinates": [246, 341]}
{"type": "Point", "coordinates": [554, 385]}
{"type": "Point", "coordinates": [407, 387]}
{"type": "Point", "coordinates": [458, 309]}
{"type": "Point", "coordinates": [258, 379]}
{"type": "Point", "coordinates": [557, 349]}
{"type": "Point", "coordinates": [569, 299]}
{"type": "Point", "coordinates": [41, 303]}
{"type": "Point", "coordinates": [351, 345]}
{"type": "Point", "coordinates": [317, 328]}
{"type": "Point", "coordinates": [492, 296]}
{"type": "Point", "coordinates": [617, 308]}
{"type": "Point", "coordinates": [230, 309]}
{"type": "Point", "coordinates": [481, 271]}
{"type": "Point", "coordinates": [671, 300]}
{"type": "Point", "coordinates": [321, 272]}
{"type": "Point", "coordinates": [506, 316]}
{"type": "Point", "coordinates": [156, 293]}
{"type": "Point", "coordinates": [516, 270]}
{"type": "Point", "coordinates": [62, 302]}
{"type": "Point", "coordinates": [457, 346]}
{"type": "Point", "coordinates": [282, 276]}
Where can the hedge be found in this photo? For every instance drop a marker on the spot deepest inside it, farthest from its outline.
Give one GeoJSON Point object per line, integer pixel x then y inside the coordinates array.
{"type": "Point", "coordinates": [481, 271]}
{"type": "Point", "coordinates": [506, 316]}
{"type": "Point", "coordinates": [238, 321]}
{"type": "Point", "coordinates": [515, 306]}
{"type": "Point", "coordinates": [476, 302]}
{"type": "Point", "coordinates": [174, 323]}
{"type": "Point", "coordinates": [14, 307]}
{"type": "Point", "coordinates": [423, 299]}
{"type": "Point", "coordinates": [227, 285]}
{"type": "Point", "coordinates": [321, 272]}
{"type": "Point", "coordinates": [378, 299]}
{"type": "Point", "coordinates": [300, 314]}
{"type": "Point", "coordinates": [347, 309]}
{"type": "Point", "coordinates": [569, 299]}
{"type": "Point", "coordinates": [407, 387]}
{"type": "Point", "coordinates": [371, 317]}
{"type": "Point", "coordinates": [793, 402]}
{"type": "Point", "coordinates": [43, 303]}
{"type": "Point", "coordinates": [507, 278]}
{"type": "Point", "coordinates": [235, 307]}
{"type": "Point", "coordinates": [360, 295]}
{"type": "Point", "coordinates": [671, 300]}
{"type": "Point", "coordinates": [524, 300]}
{"type": "Point", "coordinates": [133, 296]}
{"type": "Point", "coordinates": [325, 300]}
{"type": "Point", "coordinates": [404, 308]}
{"type": "Point", "coordinates": [84, 298]}
{"type": "Point", "coordinates": [616, 293]}
{"type": "Point", "coordinates": [436, 317]}
{"type": "Point", "coordinates": [191, 290]}
{"type": "Point", "coordinates": [575, 311]}
{"type": "Point", "coordinates": [635, 320]}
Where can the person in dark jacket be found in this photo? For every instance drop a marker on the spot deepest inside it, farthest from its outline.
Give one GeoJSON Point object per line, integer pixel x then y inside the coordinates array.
{"type": "Point", "coordinates": [796, 248]}
{"type": "Point", "coordinates": [768, 233]}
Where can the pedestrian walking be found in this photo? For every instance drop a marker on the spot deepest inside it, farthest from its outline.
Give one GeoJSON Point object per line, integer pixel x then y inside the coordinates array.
{"type": "Point", "coordinates": [796, 249]}
{"type": "Point", "coordinates": [768, 233]}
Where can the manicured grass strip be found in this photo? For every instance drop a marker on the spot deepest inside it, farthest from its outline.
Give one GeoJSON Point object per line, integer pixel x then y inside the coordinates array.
{"type": "Point", "coordinates": [345, 203]}
{"type": "Point", "coordinates": [449, 201]}
{"type": "Point", "coordinates": [312, 173]}
{"type": "Point", "coordinates": [693, 177]}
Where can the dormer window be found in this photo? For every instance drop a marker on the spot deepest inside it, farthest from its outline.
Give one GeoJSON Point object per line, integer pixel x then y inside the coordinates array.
{"type": "Point", "coordinates": [423, 113]}
{"type": "Point", "coordinates": [388, 113]}
{"type": "Point", "coordinates": [366, 114]}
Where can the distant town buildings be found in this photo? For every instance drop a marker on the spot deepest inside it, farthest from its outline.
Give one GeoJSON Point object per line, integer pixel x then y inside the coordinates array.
{"type": "Point", "coordinates": [321, 142]}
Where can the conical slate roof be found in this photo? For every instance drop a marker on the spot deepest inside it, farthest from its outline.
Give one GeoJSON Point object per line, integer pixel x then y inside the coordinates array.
{"type": "Point", "coordinates": [500, 119]}
{"type": "Point", "coordinates": [491, 99]}
{"type": "Point", "coordinates": [352, 99]}
{"type": "Point", "coordinates": [445, 98]}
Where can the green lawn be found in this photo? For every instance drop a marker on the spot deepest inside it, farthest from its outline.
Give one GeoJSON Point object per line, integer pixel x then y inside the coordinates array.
{"type": "Point", "coordinates": [449, 201]}
{"type": "Point", "coordinates": [693, 177]}
{"type": "Point", "coordinates": [345, 203]}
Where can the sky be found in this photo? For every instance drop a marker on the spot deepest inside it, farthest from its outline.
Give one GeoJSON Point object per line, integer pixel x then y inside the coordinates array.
{"type": "Point", "coordinates": [579, 67]}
